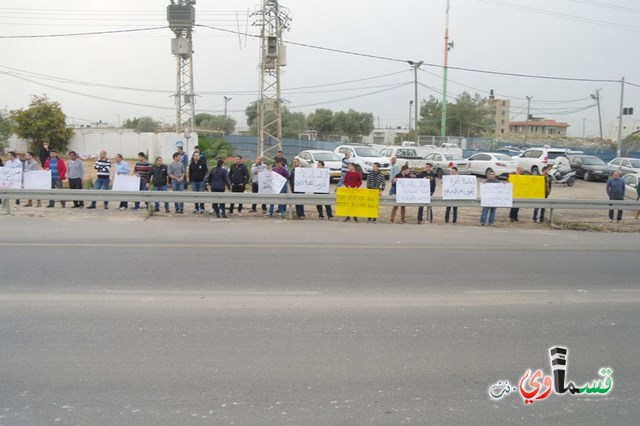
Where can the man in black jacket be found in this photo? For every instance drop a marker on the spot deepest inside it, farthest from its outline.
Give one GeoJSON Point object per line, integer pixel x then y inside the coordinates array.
{"type": "Point", "coordinates": [239, 177]}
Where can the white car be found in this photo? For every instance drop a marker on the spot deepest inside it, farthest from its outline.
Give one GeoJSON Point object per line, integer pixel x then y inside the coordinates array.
{"type": "Point", "coordinates": [364, 156]}
{"type": "Point", "coordinates": [626, 164]}
{"type": "Point", "coordinates": [534, 159]}
{"type": "Point", "coordinates": [484, 162]}
{"type": "Point", "coordinates": [631, 182]}
{"type": "Point", "coordinates": [442, 163]}
{"type": "Point", "coordinates": [332, 161]}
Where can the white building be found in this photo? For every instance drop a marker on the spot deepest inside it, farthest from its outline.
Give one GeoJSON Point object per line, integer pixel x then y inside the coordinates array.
{"type": "Point", "coordinates": [630, 124]}
{"type": "Point", "coordinates": [385, 136]}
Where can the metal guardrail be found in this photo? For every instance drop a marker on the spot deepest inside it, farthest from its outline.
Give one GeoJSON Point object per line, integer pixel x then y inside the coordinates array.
{"type": "Point", "coordinates": [289, 199]}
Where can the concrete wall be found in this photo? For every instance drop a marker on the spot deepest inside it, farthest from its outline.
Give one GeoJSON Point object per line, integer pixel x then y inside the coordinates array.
{"type": "Point", "coordinates": [89, 142]}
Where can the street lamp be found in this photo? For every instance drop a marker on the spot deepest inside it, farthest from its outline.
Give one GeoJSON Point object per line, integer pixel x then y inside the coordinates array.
{"type": "Point", "coordinates": [526, 127]}
{"type": "Point", "coordinates": [415, 66]}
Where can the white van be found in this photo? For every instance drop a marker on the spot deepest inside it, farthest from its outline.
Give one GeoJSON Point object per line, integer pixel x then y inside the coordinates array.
{"type": "Point", "coordinates": [364, 156]}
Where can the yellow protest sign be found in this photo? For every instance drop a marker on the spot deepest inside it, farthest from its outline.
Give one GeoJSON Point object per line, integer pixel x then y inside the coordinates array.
{"type": "Point", "coordinates": [357, 202]}
{"type": "Point", "coordinates": [527, 186]}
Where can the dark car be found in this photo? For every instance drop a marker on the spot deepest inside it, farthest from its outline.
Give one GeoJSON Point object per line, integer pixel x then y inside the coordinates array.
{"type": "Point", "coordinates": [590, 167]}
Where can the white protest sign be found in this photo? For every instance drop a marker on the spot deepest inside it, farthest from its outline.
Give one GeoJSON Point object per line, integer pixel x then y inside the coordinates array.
{"type": "Point", "coordinates": [11, 178]}
{"type": "Point", "coordinates": [496, 195]}
{"type": "Point", "coordinates": [126, 183]}
{"type": "Point", "coordinates": [308, 179]}
{"type": "Point", "coordinates": [270, 182]}
{"type": "Point", "coordinates": [413, 191]}
{"type": "Point", "coordinates": [459, 187]}
{"type": "Point", "coordinates": [37, 179]}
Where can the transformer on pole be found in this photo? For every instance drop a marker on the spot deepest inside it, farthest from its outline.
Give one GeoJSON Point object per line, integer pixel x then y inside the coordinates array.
{"type": "Point", "coordinates": [181, 15]}
{"type": "Point", "coordinates": [273, 20]}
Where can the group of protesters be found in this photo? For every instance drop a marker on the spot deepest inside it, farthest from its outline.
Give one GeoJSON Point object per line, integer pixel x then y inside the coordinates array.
{"type": "Point", "coordinates": [183, 172]}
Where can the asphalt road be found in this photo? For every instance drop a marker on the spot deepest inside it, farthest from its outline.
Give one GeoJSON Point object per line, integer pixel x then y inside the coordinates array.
{"type": "Point", "coordinates": [189, 321]}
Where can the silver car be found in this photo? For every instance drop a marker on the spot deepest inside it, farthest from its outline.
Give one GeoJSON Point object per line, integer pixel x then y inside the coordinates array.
{"type": "Point", "coordinates": [443, 162]}
{"type": "Point", "coordinates": [626, 164]}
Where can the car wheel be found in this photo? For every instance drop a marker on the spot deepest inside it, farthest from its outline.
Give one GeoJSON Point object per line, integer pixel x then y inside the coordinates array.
{"type": "Point", "coordinates": [535, 171]}
{"type": "Point", "coordinates": [486, 172]}
{"type": "Point", "coordinates": [439, 173]}
{"type": "Point", "coordinates": [586, 176]}
{"type": "Point", "coordinates": [571, 181]}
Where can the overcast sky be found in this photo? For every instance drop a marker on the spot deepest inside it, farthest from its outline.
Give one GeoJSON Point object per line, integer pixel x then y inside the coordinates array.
{"type": "Point", "coordinates": [584, 39]}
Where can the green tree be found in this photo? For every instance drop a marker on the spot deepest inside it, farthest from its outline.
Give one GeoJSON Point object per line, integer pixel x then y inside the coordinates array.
{"type": "Point", "coordinates": [147, 125]}
{"type": "Point", "coordinates": [321, 121]}
{"type": "Point", "coordinates": [215, 122]}
{"type": "Point", "coordinates": [42, 121]}
{"type": "Point", "coordinates": [130, 123]}
{"type": "Point", "coordinates": [5, 128]}
{"type": "Point", "coordinates": [353, 123]}
{"type": "Point", "coordinates": [429, 120]}
{"type": "Point", "coordinates": [469, 116]}
{"type": "Point", "coordinates": [293, 123]}
{"type": "Point", "coordinates": [214, 146]}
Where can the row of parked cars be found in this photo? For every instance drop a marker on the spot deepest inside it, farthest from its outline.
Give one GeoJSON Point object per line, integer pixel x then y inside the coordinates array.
{"type": "Point", "coordinates": [587, 167]}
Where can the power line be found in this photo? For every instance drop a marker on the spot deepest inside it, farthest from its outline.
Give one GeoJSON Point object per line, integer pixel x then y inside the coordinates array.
{"type": "Point", "coordinates": [607, 6]}
{"type": "Point", "coordinates": [86, 33]}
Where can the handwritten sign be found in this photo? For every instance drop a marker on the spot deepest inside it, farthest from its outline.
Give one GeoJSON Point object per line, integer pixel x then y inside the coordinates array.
{"type": "Point", "coordinates": [458, 187]}
{"type": "Point", "coordinates": [270, 182]}
{"type": "Point", "coordinates": [37, 179]}
{"type": "Point", "coordinates": [308, 179]}
{"type": "Point", "coordinates": [496, 195]}
{"type": "Point", "coordinates": [357, 202]}
{"type": "Point", "coordinates": [11, 178]}
{"type": "Point", "coordinates": [413, 191]}
{"type": "Point", "coordinates": [527, 186]}
{"type": "Point", "coordinates": [126, 183]}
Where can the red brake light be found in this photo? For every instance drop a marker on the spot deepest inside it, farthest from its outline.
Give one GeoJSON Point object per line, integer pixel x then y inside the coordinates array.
{"type": "Point", "coordinates": [500, 164]}
{"type": "Point", "coordinates": [451, 164]}
{"type": "Point", "coordinates": [545, 159]}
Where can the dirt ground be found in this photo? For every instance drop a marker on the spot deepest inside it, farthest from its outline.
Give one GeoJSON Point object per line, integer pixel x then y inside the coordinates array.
{"type": "Point", "coordinates": [588, 220]}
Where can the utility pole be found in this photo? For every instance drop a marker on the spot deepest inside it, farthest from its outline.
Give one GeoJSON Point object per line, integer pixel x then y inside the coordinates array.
{"type": "Point", "coordinates": [415, 66]}
{"type": "Point", "coordinates": [619, 142]}
{"type": "Point", "coordinates": [226, 101]}
{"type": "Point", "coordinates": [447, 46]}
{"type": "Point", "coordinates": [181, 15]}
{"type": "Point", "coordinates": [596, 97]}
{"type": "Point", "coordinates": [273, 20]}
{"type": "Point", "coordinates": [526, 127]}
{"type": "Point", "coordinates": [410, 111]}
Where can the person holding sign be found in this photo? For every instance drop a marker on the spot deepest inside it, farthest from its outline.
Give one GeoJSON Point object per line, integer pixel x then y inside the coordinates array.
{"type": "Point", "coordinates": [454, 171]}
{"type": "Point", "coordinates": [122, 168]}
{"type": "Point", "coordinates": [103, 172]}
{"type": "Point", "coordinates": [427, 173]}
{"type": "Point", "coordinates": [257, 168]}
{"type": "Point", "coordinates": [30, 165]}
{"type": "Point", "coordinates": [58, 173]}
{"type": "Point", "coordinates": [292, 177]}
{"type": "Point", "coordinates": [282, 171]}
{"type": "Point", "coordinates": [327, 207]}
{"type": "Point", "coordinates": [513, 213]}
{"type": "Point", "coordinates": [490, 211]}
{"type": "Point", "coordinates": [404, 174]}
{"type": "Point", "coordinates": [14, 163]}
{"type": "Point", "coordinates": [375, 180]}
{"type": "Point", "coordinates": [547, 192]}
{"type": "Point", "coordinates": [352, 179]}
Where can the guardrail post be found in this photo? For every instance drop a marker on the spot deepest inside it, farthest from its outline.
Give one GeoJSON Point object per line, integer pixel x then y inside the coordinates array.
{"type": "Point", "coordinates": [551, 216]}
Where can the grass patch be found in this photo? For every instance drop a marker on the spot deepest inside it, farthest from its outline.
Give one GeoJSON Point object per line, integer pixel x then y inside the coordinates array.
{"type": "Point", "coordinates": [578, 226]}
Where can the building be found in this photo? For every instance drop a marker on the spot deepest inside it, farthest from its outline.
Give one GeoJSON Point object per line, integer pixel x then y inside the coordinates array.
{"type": "Point", "coordinates": [500, 110]}
{"type": "Point", "coordinates": [538, 127]}
{"type": "Point", "coordinates": [384, 136]}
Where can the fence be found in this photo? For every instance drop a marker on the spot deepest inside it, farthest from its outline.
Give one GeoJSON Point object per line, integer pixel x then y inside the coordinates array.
{"type": "Point", "coordinates": [288, 199]}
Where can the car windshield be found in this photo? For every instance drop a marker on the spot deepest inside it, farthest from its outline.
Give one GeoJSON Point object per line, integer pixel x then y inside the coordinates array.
{"type": "Point", "coordinates": [502, 157]}
{"type": "Point", "coordinates": [592, 161]}
{"type": "Point", "coordinates": [326, 156]}
{"type": "Point", "coordinates": [635, 164]}
{"type": "Point", "coordinates": [452, 157]}
{"type": "Point", "coordinates": [366, 152]}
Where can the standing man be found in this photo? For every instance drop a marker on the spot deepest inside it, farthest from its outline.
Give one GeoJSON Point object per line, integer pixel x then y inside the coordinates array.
{"type": "Point", "coordinates": [375, 180]}
{"type": "Point", "coordinates": [14, 163]}
{"type": "Point", "coordinates": [327, 206]}
{"type": "Point", "coordinates": [30, 165]}
{"type": "Point", "coordinates": [197, 171]}
{"type": "Point", "coordinates": [513, 213]}
{"type": "Point", "coordinates": [122, 168]}
{"type": "Point", "coordinates": [282, 171]}
{"type": "Point", "coordinates": [344, 167]}
{"type": "Point", "coordinates": [394, 168]}
{"type": "Point", "coordinates": [428, 174]}
{"type": "Point", "coordinates": [292, 178]}
{"type": "Point", "coordinates": [158, 181]}
{"type": "Point", "coordinates": [547, 192]}
{"type": "Point", "coordinates": [283, 161]}
{"type": "Point", "coordinates": [615, 191]}
{"type": "Point", "coordinates": [75, 173]}
{"type": "Point", "coordinates": [184, 158]}
{"type": "Point", "coordinates": [58, 173]}
{"type": "Point", "coordinates": [239, 177]}
{"type": "Point", "coordinates": [102, 167]}
{"type": "Point", "coordinates": [218, 181]}
{"type": "Point", "coordinates": [177, 174]}
{"type": "Point", "coordinates": [447, 212]}
{"type": "Point", "coordinates": [257, 168]}
{"type": "Point", "coordinates": [490, 211]}
{"type": "Point", "coordinates": [142, 169]}
{"type": "Point", "coordinates": [44, 153]}
{"type": "Point", "coordinates": [404, 174]}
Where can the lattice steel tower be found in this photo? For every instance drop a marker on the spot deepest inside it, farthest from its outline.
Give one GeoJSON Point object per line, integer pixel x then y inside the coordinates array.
{"type": "Point", "coordinates": [273, 20]}
{"type": "Point", "coordinates": [181, 15]}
